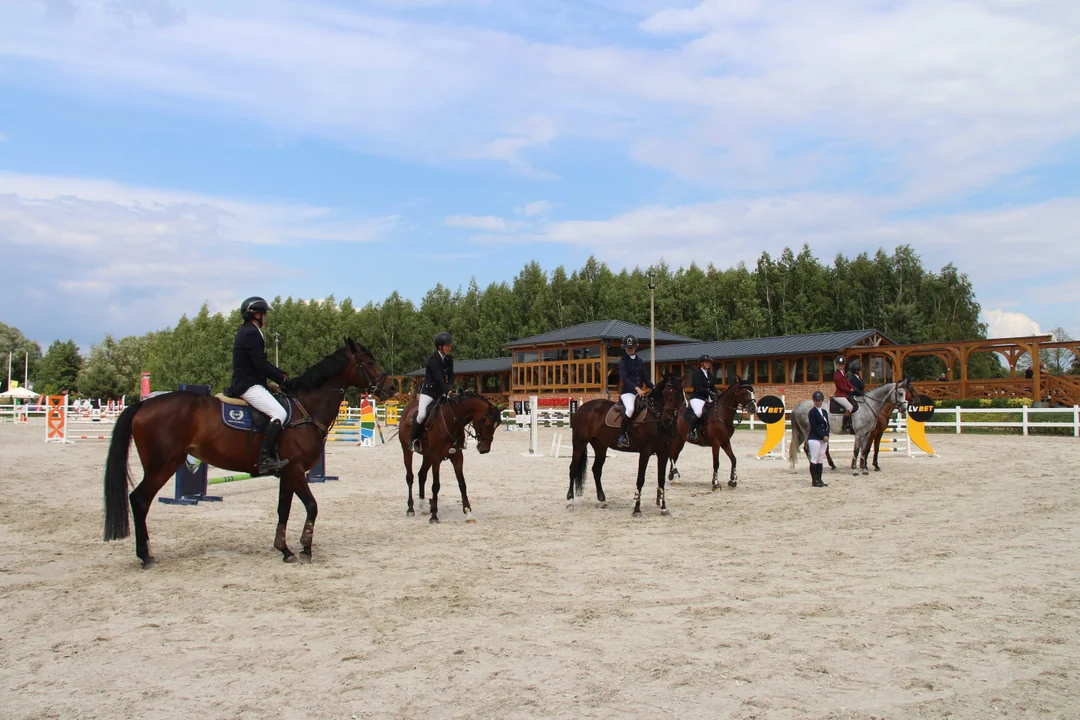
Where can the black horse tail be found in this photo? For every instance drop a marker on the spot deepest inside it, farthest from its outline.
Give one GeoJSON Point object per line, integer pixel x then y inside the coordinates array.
{"type": "Point", "coordinates": [117, 525]}
{"type": "Point", "coordinates": [579, 473]}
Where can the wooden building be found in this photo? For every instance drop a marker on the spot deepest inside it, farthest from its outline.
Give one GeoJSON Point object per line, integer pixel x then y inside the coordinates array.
{"type": "Point", "coordinates": [581, 362]}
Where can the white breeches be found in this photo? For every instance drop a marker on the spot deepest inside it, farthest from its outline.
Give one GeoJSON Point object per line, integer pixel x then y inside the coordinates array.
{"type": "Point", "coordinates": [817, 451]}
{"type": "Point", "coordinates": [260, 398]}
{"type": "Point", "coordinates": [845, 402]}
{"type": "Point", "coordinates": [698, 405]}
{"type": "Point", "coordinates": [629, 401]}
{"type": "Point", "coordinates": [424, 403]}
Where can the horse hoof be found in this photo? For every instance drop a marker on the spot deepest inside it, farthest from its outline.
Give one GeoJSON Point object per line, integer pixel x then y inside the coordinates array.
{"type": "Point", "coordinates": [715, 486]}
{"type": "Point", "coordinates": [877, 469]}
{"type": "Point", "coordinates": [732, 484]}
{"type": "Point", "coordinates": [433, 520]}
{"type": "Point", "coordinates": [291, 559]}
{"type": "Point", "coordinates": [149, 563]}
{"type": "Point", "coordinates": [410, 513]}
{"type": "Point", "coordinates": [602, 504]}
{"type": "Point", "coordinates": [470, 521]}
{"type": "Point", "coordinates": [865, 472]}
{"type": "Point", "coordinates": [305, 558]}
{"type": "Point", "coordinates": [665, 512]}
{"type": "Point", "coordinates": [855, 473]}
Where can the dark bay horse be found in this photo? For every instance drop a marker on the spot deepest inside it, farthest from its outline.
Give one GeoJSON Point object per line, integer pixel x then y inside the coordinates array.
{"type": "Point", "coordinates": [445, 438]}
{"type": "Point", "coordinates": [651, 437]}
{"type": "Point", "coordinates": [716, 429]}
{"type": "Point", "coordinates": [168, 427]}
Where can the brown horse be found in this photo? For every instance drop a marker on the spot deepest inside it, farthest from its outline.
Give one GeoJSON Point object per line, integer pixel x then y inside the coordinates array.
{"type": "Point", "coordinates": [169, 427]}
{"type": "Point", "coordinates": [444, 438]}
{"type": "Point", "coordinates": [716, 429]}
{"type": "Point", "coordinates": [650, 437]}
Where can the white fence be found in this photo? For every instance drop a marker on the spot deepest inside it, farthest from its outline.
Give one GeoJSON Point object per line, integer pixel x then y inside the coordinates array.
{"type": "Point", "coordinates": [1024, 418]}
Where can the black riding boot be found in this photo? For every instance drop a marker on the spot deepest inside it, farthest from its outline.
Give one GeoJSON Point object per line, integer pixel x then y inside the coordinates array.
{"type": "Point", "coordinates": [846, 424]}
{"type": "Point", "coordinates": [269, 462]}
{"type": "Point", "coordinates": [624, 439]}
{"type": "Point", "coordinates": [692, 429]}
{"type": "Point", "coordinates": [414, 436]}
{"type": "Point", "coordinates": [815, 471]}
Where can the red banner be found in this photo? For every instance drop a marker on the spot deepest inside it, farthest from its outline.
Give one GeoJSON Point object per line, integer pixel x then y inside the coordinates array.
{"type": "Point", "coordinates": [145, 385]}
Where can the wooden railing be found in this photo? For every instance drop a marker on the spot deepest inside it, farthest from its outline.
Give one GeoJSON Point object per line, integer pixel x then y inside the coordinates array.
{"type": "Point", "coordinates": [1062, 389]}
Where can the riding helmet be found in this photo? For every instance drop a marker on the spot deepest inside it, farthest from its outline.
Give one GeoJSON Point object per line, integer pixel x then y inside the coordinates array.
{"type": "Point", "coordinates": [704, 358]}
{"type": "Point", "coordinates": [629, 341]}
{"type": "Point", "coordinates": [443, 338]}
{"type": "Point", "coordinates": [818, 395]}
{"type": "Point", "coordinates": [841, 361]}
{"type": "Point", "coordinates": [251, 306]}
{"type": "Point", "coordinates": [855, 365]}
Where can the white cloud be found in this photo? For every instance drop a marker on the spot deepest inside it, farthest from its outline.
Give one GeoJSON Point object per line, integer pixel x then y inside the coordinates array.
{"type": "Point", "coordinates": [938, 97]}
{"type": "Point", "coordinates": [126, 258]}
{"type": "Point", "coordinates": [537, 207]}
{"type": "Point", "coordinates": [487, 223]}
{"type": "Point", "coordinates": [1002, 324]}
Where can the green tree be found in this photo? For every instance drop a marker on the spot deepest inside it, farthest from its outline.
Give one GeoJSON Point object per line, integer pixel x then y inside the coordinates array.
{"type": "Point", "coordinates": [60, 367]}
{"type": "Point", "coordinates": [100, 376]}
{"type": "Point", "coordinates": [14, 342]}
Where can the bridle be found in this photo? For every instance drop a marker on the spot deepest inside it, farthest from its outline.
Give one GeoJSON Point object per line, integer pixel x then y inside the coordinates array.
{"type": "Point", "coordinates": [469, 426]}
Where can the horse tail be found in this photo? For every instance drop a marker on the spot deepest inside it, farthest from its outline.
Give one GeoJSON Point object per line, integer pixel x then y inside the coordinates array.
{"type": "Point", "coordinates": [117, 513]}
{"type": "Point", "coordinates": [796, 441]}
{"type": "Point", "coordinates": [578, 473]}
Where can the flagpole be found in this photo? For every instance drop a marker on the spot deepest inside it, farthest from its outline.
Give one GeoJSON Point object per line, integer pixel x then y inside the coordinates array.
{"type": "Point", "coordinates": [26, 371]}
{"type": "Point", "coordinates": [9, 370]}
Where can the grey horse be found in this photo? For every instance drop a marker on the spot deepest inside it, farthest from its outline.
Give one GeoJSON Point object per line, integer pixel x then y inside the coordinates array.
{"type": "Point", "coordinates": [863, 421]}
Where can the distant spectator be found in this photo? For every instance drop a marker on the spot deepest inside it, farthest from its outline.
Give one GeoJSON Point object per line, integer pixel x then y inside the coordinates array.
{"type": "Point", "coordinates": [1029, 374]}
{"type": "Point", "coordinates": [944, 377]}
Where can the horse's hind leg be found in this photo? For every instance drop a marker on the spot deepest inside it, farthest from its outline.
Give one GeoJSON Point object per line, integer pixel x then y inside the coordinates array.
{"type": "Point", "coordinates": [643, 465]}
{"type": "Point", "coordinates": [425, 466]}
{"type": "Point", "coordinates": [141, 498]}
{"type": "Point", "coordinates": [285, 493]}
{"type": "Point", "coordinates": [598, 470]}
{"type": "Point", "coordinates": [434, 519]}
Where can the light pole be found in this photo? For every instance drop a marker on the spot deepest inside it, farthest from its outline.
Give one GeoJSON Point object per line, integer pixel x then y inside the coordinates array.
{"type": "Point", "coordinates": [652, 325]}
{"type": "Point", "coordinates": [276, 360]}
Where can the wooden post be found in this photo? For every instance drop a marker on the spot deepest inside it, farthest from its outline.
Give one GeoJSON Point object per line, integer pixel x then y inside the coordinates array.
{"type": "Point", "coordinates": [1036, 380]}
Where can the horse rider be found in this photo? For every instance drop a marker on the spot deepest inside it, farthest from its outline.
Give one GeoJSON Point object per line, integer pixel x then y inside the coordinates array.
{"type": "Point", "coordinates": [854, 373]}
{"type": "Point", "coordinates": [438, 382]}
{"type": "Point", "coordinates": [818, 439]}
{"type": "Point", "coordinates": [251, 371]}
{"type": "Point", "coordinates": [843, 392]}
{"type": "Point", "coordinates": [631, 376]}
{"type": "Point", "coordinates": [704, 386]}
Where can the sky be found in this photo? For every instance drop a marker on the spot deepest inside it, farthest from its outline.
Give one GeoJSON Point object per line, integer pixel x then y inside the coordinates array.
{"type": "Point", "coordinates": [159, 154]}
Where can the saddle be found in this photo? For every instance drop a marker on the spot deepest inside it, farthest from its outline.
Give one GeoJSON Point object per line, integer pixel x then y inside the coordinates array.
{"type": "Point", "coordinates": [238, 415]}
{"type": "Point", "coordinates": [836, 408]}
{"type": "Point", "coordinates": [616, 413]}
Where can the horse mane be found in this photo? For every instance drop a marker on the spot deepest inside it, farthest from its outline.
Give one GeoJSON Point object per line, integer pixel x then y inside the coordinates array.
{"type": "Point", "coordinates": [318, 374]}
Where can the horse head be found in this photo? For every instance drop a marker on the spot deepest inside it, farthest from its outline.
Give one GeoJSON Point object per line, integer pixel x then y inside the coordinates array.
{"type": "Point", "coordinates": [364, 372]}
{"type": "Point", "coordinates": [744, 396]}
{"type": "Point", "coordinates": [484, 426]}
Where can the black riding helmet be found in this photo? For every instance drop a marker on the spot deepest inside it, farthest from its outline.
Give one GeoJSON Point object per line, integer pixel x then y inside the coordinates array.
{"type": "Point", "coordinates": [629, 341]}
{"type": "Point", "coordinates": [704, 358]}
{"type": "Point", "coordinates": [818, 395]}
{"type": "Point", "coordinates": [443, 338]}
{"type": "Point", "coordinates": [253, 305]}
{"type": "Point", "coordinates": [855, 365]}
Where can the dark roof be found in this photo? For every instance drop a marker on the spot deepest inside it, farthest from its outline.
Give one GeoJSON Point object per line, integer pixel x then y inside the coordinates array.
{"type": "Point", "coordinates": [466, 367]}
{"type": "Point", "coordinates": [830, 342]}
{"type": "Point", "coordinates": [599, 330]}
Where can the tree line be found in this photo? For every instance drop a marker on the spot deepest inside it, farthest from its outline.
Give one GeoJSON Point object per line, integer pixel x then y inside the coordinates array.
{"type": "Point", "coordinates": [791, 294]}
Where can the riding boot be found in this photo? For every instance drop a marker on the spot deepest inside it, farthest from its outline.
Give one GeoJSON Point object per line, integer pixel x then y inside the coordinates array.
{"type": "Point", "coordinates": [818, 469]}
{"type": "Point", "coordinates": [691, 430]}
{"type": "Point", "coordinates": [269, 463]}
{"type": "Point", "coordinates": [624, 439]}
{"type": "Point", "coordinates": [414, 436]}
{"type": "Point", "coordinates": [846, 426]}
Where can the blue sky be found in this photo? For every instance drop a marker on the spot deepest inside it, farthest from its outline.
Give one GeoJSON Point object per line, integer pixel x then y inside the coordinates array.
{"type": "Point", "coordinates": [156, 154]}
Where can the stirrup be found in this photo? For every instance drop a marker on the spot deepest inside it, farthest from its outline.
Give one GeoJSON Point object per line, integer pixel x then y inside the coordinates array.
{"type": "Point", "coordinates": [270, 465]}
{"type": "Point", "coordinates": [624, 441]}
{"type": "Point", "coordinates": [415, 446]}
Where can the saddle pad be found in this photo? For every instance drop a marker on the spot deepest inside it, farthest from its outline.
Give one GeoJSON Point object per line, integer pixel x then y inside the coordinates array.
{"type": "Point", "coordinates": [241, 402]}
{"type": "Point", "coordinates": [245, 417]}
{"type": "Point", "coordinates": [616, 413]}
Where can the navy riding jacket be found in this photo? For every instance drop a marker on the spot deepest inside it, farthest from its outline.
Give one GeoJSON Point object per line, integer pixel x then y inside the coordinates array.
{"type": "Point", "coordinates": [632, 374]}
{"type": "Point", "coordinates": [250, 366]}
{"type": "Point", "coordinates": [819, 423]}
{"type": "Point", "coordinates": [704, 385]}
{"type": "Point", "coordinates": [438, 375]}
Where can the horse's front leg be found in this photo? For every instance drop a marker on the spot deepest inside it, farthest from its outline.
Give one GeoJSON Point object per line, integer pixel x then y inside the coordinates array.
{"type": "Point", "coordinates": [643, 465]}
{"type": "Point", "coordinates": [285, 494]}
{"type": "Point", "coordinates": [458, 461]}
{"type": "Point", "coordinates": [303, 491]}
{"type": "Point", "coordinates": [733, 481]}
{"type": "Point", "coordinates": [409, 481]}
{"type": "Point", "coordinates": [425, 466]}
{"type": "Point", "coordinates": [661, 490]}
{"type": "Point", "coordinates": [434, 519]}
{"type": "Point", "coordinates": [716, 465]}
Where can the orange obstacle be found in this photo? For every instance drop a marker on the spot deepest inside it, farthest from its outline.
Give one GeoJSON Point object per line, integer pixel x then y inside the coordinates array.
{"type": "Point", "coordinates": [56, 419]}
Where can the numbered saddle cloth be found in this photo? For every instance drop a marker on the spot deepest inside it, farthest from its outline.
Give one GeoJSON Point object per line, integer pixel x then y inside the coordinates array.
{"type": "Point", "coordinates": [244, 417]}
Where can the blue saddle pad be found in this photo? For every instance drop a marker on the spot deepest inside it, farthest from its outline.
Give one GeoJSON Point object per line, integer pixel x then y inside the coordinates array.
{"type": "Point", "coordinates": [243, 417]}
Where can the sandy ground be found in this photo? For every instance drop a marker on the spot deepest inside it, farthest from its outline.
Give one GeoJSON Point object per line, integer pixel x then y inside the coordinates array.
{"type": "Point", "coordinates": [938, 587]}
